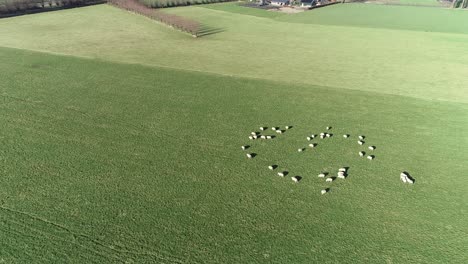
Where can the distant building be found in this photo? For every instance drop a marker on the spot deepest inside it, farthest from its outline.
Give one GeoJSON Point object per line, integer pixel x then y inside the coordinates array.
{"type": "Point", "coordinates": [280, 2]}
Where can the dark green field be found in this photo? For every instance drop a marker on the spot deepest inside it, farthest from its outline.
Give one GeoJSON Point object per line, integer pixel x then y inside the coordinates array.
{"type": "Point", "coordinates": [104, 161]}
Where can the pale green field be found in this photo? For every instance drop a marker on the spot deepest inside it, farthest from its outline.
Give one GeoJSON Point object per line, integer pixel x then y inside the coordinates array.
{"type": "Point", "coordinates": [401, 62]}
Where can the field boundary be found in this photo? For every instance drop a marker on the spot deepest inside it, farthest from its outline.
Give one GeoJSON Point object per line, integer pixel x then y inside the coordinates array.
{"type": "Point", "coordinates": [325, 5]}
{"type": "Point", "coordinates": [193, 27]}
{"type": "Point", "coordinates": [175, 3]}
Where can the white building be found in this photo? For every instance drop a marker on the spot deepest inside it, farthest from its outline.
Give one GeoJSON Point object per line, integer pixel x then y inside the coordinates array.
{"type": "Point", "coordinates": [280, 2]}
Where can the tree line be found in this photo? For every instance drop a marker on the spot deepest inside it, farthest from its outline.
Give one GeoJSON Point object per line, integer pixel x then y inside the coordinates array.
{"type": "Point", "coordinates": [460, 4]}
{"type": "Point", "coordinates": [30, 6]}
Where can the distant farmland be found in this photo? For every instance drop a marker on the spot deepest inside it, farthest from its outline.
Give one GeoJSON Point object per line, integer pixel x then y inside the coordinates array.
{"type": "Point", "coordinates": [12, 7]}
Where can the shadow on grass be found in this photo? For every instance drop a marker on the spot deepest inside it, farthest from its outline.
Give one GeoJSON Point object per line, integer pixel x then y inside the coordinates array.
{"type": "Point", "coordinates": [205, 30]}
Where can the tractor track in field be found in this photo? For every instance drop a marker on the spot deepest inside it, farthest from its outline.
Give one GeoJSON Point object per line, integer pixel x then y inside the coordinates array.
{"type": "Point", "coordinates": [99, 248]}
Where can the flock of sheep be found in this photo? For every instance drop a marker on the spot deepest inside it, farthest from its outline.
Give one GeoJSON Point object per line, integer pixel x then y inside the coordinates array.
{"type": "Point", "coordinates": [342, 172]}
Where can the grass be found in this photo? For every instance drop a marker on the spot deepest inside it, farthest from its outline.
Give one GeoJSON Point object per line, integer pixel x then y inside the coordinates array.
{"type": "Point", "coordinates": [403, 62]}
{"type": "Point", "coordinates": [147, 166]}
{"type": "Point", "coordinates": [420, 2]}
{"type": "Point", "coordinates": [128, 148]}
{"type": "Point", "coordinates": [367, 16]}
{"type": "Point", "coordinates": [390, 17]}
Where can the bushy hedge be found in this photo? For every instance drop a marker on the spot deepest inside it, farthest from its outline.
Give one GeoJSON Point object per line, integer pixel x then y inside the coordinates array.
{"type": "Point", "coordinates": [184, 24]}
{"type": "Point", "coordinates": [172, 3]}
{"type": "Point", "coordinates": [24, 6]}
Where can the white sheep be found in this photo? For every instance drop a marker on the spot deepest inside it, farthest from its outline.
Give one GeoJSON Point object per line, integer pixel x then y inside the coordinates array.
{"type": "Point", "coordinates": [263, 137]}
{"type": "Point", "coordinates": [328, 128]}
{"type": "Point", "coordinates": [328, 135]}
{"type": "Point", "coordinates": [271, 167]}
{"type": "Point", "coordinates": [287, 127]}
{"type": "Point", "coordinates": [309, 138]}
{"type": "Point", "coordinates": [321, 175]}
{"type": "Point", "coordinates": [262, 128]}
{"type": "Point", "coordinates": [345, 135]}
{"type": "Point", "coordinates": [300, 150]}
{"type": "Point", "coordinates": [329, 180]}
{"type": "Point", "coordinates": [371, 147]}
{"type": "Point", "coordinates": [281, 174]}
{"type": "Point", "coordinates": [361, 137]}
{"type": "Point", "coordinates": [403, 178]}
{"type": "Point", "coordinates": [312, 145]}
{"type": "Point", "coordinates": [322, 134]}
{"type": "Point", "coordinates": [341, 176]}
{"type": "Point", "coordinates": [268, 137]}
{"type": "Point", "coordinates": [342, 169]}
{"type": "Point", "coordinates": [370, 157]}
{"type": "Point", "coordinates": [362, 153]}
{"type": "Point", "coordinates": [254, 137]}
{"type": "Point", "coordinates": [323, 192]}
{"type": "Point", "coordinates": [295, 179]}
{"type": "Point", "coordinates": [244, 147]}
{"type": "Point", "coordinates": [279, 131]}
{"type": "Point", "coordinates": [360, 142]}
{"type": "Point", "coordinates": [249, 155]}
{"type": "Point", "coordinates": [253, 133]}
{"type": "Point", "coordinates": [250, 137]}
{"type": "Point", "coordinates": [312, 136]}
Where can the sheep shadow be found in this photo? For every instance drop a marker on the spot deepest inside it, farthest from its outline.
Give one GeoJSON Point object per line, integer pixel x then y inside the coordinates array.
{"type": "Point", "coordinates": [299, 178]}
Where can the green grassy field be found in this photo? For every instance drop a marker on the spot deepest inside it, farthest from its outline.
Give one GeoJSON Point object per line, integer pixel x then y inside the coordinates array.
{"type": "Point", "coordinates": [365, 15]}
{"type": "Point", "coordinates": [419, 2]}
{"type": "Point", "coordinates": [127, 148]}
{"type": "Point", "coordinates": [402, 62]}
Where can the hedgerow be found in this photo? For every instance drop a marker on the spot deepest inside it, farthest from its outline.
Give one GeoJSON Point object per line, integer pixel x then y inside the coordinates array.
{"type": "Point", "coordinates": [13, 7]}
{"type": "Point", "coordinates": [172, 3]}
